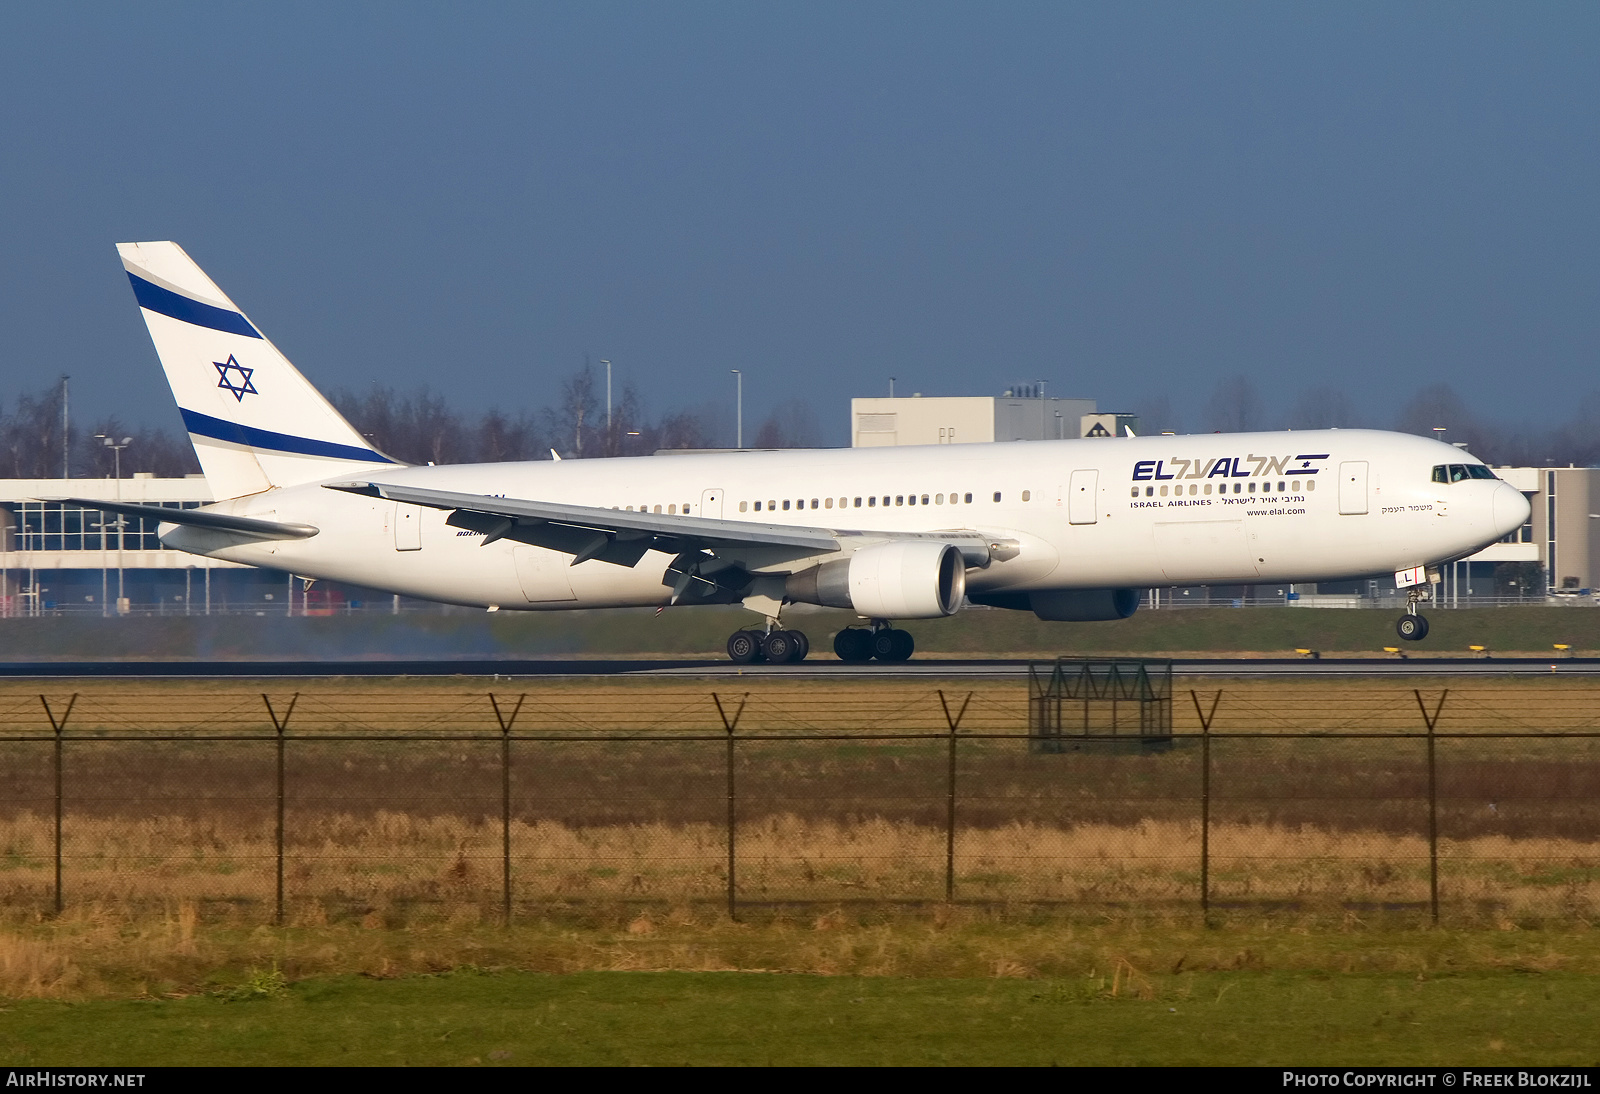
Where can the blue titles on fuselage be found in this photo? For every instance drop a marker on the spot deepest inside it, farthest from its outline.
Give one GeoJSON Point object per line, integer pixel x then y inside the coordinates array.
{"type": "Point", "coordinates": [1227, 467]}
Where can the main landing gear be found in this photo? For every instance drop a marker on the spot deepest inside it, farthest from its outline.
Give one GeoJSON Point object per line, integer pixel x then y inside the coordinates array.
{"type": "Point", "coordinates": [1413, 626]}
{"type": "Point", "coordinates": [777, 646]}
{"type": "Point", "coordinates": [881, 641]}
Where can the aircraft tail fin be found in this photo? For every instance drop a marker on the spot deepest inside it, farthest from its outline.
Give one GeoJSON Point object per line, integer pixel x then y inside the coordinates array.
{"type": "Point", "coordinates": [254, 420]}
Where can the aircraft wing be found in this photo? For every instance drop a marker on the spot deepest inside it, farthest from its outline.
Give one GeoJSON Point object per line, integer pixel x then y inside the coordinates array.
{"type": "Point", "coordinates": [198, 518]}
{"type": "Point", "coordinates": [707, 549]}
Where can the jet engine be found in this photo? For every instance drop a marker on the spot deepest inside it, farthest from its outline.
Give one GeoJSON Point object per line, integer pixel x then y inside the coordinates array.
{"type": "Point", "coordinates": [1083, 605]}
{"type": "Point", "coordinates": [904, 579]}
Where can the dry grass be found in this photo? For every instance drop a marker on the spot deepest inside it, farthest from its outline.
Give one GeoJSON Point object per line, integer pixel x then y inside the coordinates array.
{"type": "Point", "coordinates": [180, 948]}
{"type": "Point", "coordinates": [619, 844]}
{"type": "Point", "coordinates": [650, 707]}
{"type": "Point", "coordinates": [391, 869]}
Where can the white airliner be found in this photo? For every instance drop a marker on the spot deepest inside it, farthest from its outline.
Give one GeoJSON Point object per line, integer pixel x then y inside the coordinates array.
{"type": "Point", "coordinates": [1070, 530]}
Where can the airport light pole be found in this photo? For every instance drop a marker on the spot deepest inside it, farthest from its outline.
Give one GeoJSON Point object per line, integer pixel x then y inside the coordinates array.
{"type": "Point", "coordinates": [116, 449]}
{"type": "Point", "coordinates": [738, 413]}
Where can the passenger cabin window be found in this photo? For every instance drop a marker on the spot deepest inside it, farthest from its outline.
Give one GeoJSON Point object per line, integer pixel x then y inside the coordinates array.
{"type": "Point", "coordinates": [997, 495]}
{"type": "Point", "coordinates": [786, 503]}
{"type": "Point", "coordinates": [1027, 495]}
{"type": "Point", "coordinates": [968, 499]}
{"type": "Point", "coordinates": [744, 506]}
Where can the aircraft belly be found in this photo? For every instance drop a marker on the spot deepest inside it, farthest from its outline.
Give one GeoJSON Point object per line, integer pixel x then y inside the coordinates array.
{"type": "Point", "coordinates": [1203, 551]}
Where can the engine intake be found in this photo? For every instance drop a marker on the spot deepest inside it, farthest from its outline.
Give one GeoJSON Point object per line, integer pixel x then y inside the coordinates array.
{"type": "Point", "coordinates": [913, 579]}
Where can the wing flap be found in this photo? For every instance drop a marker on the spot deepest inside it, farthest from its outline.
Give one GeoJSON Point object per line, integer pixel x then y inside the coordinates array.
{"type": "Point", "coordinates": [669, 531]}
{"type": "Point", "coordinates": [622, 537]}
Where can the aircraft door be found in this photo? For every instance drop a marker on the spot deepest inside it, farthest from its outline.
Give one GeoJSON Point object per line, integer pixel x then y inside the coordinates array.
{"type": "Point", "coordinates": [1353, 487]}
{"type": "Point", "coordinates": [1083, 499]}
{"type": "Point", "coordinates": [542, 574]}
{"type": "Point", "coordinates": [407, 523]}
{"type": "Point", "coordinates": [711, 504]}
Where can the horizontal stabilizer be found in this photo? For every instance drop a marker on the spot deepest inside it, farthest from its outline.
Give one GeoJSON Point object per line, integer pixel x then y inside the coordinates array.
{"type": "Point", "coordinates": [199, 518]}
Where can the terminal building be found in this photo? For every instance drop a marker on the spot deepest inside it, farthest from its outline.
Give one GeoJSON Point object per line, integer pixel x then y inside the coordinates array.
{"type": "Point", "coordinates": [1021, 414]}
{"type": "Point", "coordinates": [57, 558]}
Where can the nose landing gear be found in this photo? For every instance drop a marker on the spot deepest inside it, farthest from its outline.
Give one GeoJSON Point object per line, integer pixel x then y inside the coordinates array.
{"type": "Point", "coordinates": [1413, 626]}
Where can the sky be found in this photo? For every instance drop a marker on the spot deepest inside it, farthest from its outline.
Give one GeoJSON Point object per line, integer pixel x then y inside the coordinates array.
{"type": "Point", "coordinates": [1129, 201]}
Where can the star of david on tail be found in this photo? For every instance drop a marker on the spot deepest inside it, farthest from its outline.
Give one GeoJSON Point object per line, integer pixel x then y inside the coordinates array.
{"type": "Point", "coordinates": [244, 386]}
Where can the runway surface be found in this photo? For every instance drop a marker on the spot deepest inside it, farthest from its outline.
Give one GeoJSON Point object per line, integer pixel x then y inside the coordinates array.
{"type": "Point", "coordinates": [819, 669]}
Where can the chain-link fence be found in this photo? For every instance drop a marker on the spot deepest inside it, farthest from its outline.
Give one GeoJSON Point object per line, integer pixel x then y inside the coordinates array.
{"type": "Point", "coordinates": [410, 803]}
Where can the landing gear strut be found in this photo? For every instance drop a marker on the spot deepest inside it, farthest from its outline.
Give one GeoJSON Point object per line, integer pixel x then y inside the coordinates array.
{"type": "Point", "coordinates": [881, 641]}
{"type": "Point", "coordinates": [1413, 626]}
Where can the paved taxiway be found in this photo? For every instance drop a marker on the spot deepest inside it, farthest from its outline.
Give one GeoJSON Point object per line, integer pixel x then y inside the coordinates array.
{"type": "Point", "coordinates": [818, 669]}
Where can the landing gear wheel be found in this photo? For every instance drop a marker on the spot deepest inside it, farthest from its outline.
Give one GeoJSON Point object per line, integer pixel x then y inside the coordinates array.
{"type": "Point", "coordinates": [853, 644]}
{"type": "Point", "coordinates": [804, 643]}
{"type": "Point", "coordinates": [782, 647]}
{"type": "Point", "coordinates": [892, 645]}
{"type": "Point", "coordinates": [744, 647]}
{"type": "Point", "coordinates": [1413, 628]}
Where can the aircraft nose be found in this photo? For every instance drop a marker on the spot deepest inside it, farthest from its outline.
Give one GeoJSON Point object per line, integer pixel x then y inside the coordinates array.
{"type": "Point", "coordinates": [1511, 509]}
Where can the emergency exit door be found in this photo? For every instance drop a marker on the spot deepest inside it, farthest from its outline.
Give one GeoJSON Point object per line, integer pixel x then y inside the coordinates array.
{"type": "Point", "coordinates": [1353, 487]}
{"type": "Point", "coordinates": [407, 521]}
{"type": "Point", "coordinates": [1083, 497]}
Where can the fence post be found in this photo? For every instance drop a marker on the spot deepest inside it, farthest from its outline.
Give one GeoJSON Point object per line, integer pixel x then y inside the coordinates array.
{"type": "Point", "coordinates": [506, 722]}
{"type": "Point", "coordinates": [59, 726]}
{"type": "Point", "coordinates": [729, 725]}
{"type": "Point", "coordinates": [1206, 718]}
{"type": "Point", "coordinates": [1432, 720]}
{"type": "Point", "coordinates": [950, 796]}
{"type": "Point", "coordinates": [279, 725]}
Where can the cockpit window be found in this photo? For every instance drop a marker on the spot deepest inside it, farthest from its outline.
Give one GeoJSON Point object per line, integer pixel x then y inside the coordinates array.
{"type": "Point", "coordinates": [1458, 472]}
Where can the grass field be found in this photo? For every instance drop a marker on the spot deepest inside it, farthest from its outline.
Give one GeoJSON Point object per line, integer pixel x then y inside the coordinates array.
{"type": "Point", "coordinates": [1075, 936]}
{"type": "Point", "coordinates": [701, 632]}
{"type": "Point", "coordinates": [827, 990]}
{"type": "Point", "coordinates": [631, 808]}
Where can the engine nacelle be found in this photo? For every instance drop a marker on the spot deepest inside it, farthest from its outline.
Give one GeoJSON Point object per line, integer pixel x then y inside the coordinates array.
{"type": "Point", "coordinates": [910, 579]}
{"type": "Point", "coordinates": [1084, 605]}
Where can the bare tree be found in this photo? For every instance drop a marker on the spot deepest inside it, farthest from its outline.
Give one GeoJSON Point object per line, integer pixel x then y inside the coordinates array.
{"type": "Point", "coordinates": [1322, 408]}
{"type": "Point", "coordinates": [1156, 415]}
{"type": "Point", "coordinates": [1235, 405]}
{"type": "Point", "coordinates": [572, 423]}
{"type": "Point", "coordinates": [792, 424]}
